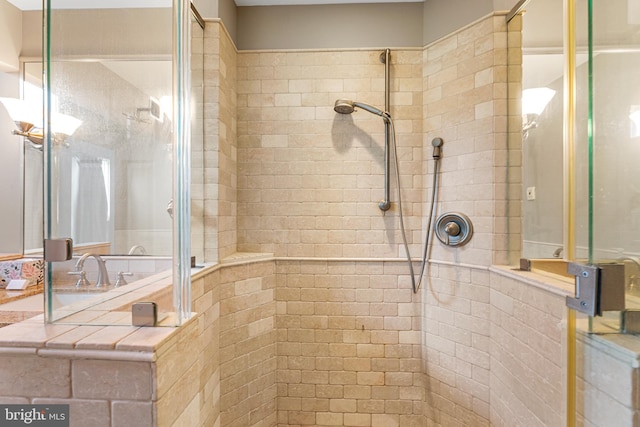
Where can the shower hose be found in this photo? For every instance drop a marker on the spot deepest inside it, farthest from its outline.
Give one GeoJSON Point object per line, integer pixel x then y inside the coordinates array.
{"type": "Point", "coordinates": [416, 283]}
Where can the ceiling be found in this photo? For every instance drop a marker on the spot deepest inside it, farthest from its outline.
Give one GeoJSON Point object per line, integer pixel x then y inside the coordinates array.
{"type": "Point", "coordinates": [83, 4]}
{"type": "Point", "coordinates": [114, 4]}
{"type": "Point", "coordinates": [307, 2]}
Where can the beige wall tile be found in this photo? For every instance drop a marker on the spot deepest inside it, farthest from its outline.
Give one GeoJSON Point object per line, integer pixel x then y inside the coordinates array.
{"type": "Point", "coordinates": [111, 380]}
{"type": "Point", "coordinates": [35, 377]}
{"type": "Point", "coordinates": [84, 412]}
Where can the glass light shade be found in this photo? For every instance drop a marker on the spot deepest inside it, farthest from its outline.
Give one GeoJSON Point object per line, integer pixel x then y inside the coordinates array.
{"type": "Point", "coordinates": [635, 120]}
{"type": "Point", "coordinates": [535, 100]}
{"type": "Point", "coordinates": [23, 112]}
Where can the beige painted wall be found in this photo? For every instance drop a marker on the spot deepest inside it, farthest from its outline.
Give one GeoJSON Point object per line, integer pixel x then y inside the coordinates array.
{"type": "Point", "coordinates": [293, 27]}
{"type": "Point", "coordinates": [207, 8]}
{"type": "Point", "coordinates": [226, 10]}
{"type": "Point", "coordinates": [330, 26]}
{"type": "Point", "coordinates": [10, 36]}
{"type": "Point", "coordinates": [443, 17]}
{"type": "Point", "coordinates": [228, 13]}
{"type": "Point", "coordinates": [137, 30]}
{"type": "Point", "coordinates": [31, 34]}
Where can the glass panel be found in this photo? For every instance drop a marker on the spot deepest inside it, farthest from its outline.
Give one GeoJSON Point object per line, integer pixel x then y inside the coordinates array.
{"type": "Point", "coordinates": [109, 183]}
{"type": "Point", "coordinates": [197, 140]}
{"type": "Point", "coordinates": [581, 154]}
{"type": "Point", "coordinates": [33, 167]}
{"type": "Point", "coordinates": [542, 129]}
{"type": "Point", "coordinates": [614, 95]}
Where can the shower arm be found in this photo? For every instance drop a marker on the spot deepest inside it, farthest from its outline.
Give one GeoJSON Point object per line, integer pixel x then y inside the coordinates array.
{"type": "Point", "coordinates": [385, 204]}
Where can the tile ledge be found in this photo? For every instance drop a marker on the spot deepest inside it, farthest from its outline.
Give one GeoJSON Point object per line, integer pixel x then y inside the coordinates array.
{"type": "Point", "coordinates": [115, 355]}
{"type": "Point", "coordinates": [151, 340]}
{"type": "Point", "coordinates": [245, 257]}
{"type": "Point", "coordinates": [546, 281]}
{"type": "Point", "coordinates": [623, 347]}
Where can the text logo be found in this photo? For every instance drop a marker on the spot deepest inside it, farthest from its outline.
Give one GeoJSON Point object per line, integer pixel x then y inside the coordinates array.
{"type": "Point", "coordinates": [34, 415]}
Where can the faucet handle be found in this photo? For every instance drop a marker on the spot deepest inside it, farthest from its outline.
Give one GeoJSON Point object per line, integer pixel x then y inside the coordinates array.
{"type": "Point", "coordinates": [120, 280]}
{"type": "Point", "coordinates": [82, 280]}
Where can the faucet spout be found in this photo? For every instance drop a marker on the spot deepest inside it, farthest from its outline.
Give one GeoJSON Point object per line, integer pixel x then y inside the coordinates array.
{"type": "Point", "coordinates": [103, 275]}
{"type": "Point", "coordinates": [137, 248]}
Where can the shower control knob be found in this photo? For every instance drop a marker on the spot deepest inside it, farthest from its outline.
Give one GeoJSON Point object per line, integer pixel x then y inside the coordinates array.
{"type": "Point", "coordinates": [452, 229]}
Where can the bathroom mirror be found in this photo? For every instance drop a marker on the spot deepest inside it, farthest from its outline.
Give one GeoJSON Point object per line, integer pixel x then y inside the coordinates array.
{"type": "Point", "coordinates": [10, 175]}
{"type": "Point", "coordinates": [115, 181]}
{"type": "Point", "coordinates": [118, 184]}
{"type": "Point", "coordinates": [541, 138]}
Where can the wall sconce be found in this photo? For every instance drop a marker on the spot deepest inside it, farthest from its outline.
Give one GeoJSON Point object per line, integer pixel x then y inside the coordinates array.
{"type": "Point", "coordinates": [28, 119]}
{"type": "Point", "coordinates": [534, 101]}
{"type": "Point", "coordinates": [634, 116]}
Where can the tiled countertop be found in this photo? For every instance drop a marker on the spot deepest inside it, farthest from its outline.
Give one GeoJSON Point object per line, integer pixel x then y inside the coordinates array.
{"type": "Point", "coordinates": [114, 342]}
{"type": "Point", "coordinates": [8, 296]}
{"type": "Point", "coordinates": [119, 340]}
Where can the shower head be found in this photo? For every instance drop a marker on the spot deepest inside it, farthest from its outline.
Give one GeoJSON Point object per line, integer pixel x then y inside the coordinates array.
{"type": "Point", "coordinates": [343, 106]}
{"type": "Point", "coordinates": [346, 106]}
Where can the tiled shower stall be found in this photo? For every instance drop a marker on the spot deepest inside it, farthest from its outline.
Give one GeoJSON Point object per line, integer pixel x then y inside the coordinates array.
{"type": "Point", "coordinates": [309, 318]}
{"type": "Point", "coordinates": [330, 333]}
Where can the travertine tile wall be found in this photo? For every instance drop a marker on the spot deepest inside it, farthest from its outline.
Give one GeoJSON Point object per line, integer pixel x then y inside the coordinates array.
{"type": "Point", "coordinates": [197, 143]}
{"type": "Point", "coordinates": [248, 345]}
{"type": "Point", "coordinates": [528, 359]}
{"type": "Point", "coordinates": [456, 343]}
{"type": "Point", "coordinates": [323, 342]}
{"type": "Point", "coordinates": [111, 376]}
{"type": "Point", "coordinates": [465, 90]}
{"type": "Point", "coordinates": [309, 179]}
{"type": "Point", "coordinates": [608, 380]}
{"type": "Point", "coordinates": [228, 149]}
{"type": "Point", "coordinates": [348, 345]}
{"type": "Point", "coordinates": [220, 176]}
{"type": "Point", "coordinates": [205, 293]}
{"type": "Point", "coordinates": [227, 367]}
{"type": "Point", "coordinates": [465, 103]}
{"type": "Point", "coordinates": [212, 138]}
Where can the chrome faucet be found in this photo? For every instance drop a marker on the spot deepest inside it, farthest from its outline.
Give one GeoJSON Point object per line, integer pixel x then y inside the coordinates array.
{"type": "Point", "coordinates": [137, 248]}
{"type": "Point", "coordinates": [103, 275]}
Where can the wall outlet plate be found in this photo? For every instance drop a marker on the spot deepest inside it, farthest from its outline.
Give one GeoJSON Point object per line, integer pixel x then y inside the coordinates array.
{"type": "Point", "coordinates": [531, 193]}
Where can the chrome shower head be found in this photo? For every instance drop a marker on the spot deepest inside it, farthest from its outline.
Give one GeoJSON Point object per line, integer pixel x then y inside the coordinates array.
{"type": "Point", "coordinates": [346, 106]}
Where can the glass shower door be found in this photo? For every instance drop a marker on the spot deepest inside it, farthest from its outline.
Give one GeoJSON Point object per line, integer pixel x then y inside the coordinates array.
{"type": "Point", "coordinates": [607, 204]}
{"type": "Point", "coordinates": [608, 146]}
{"type": "Point", "coordinates": [117, 75]}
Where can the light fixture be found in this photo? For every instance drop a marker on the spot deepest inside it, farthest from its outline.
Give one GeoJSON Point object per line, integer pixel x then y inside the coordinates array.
{"type": "Point", "coordinates": [28, 118]}
{"type": "Point", "coordinates": [634, 116]}
{"type": "Point", "coordinates": [534, 101]}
